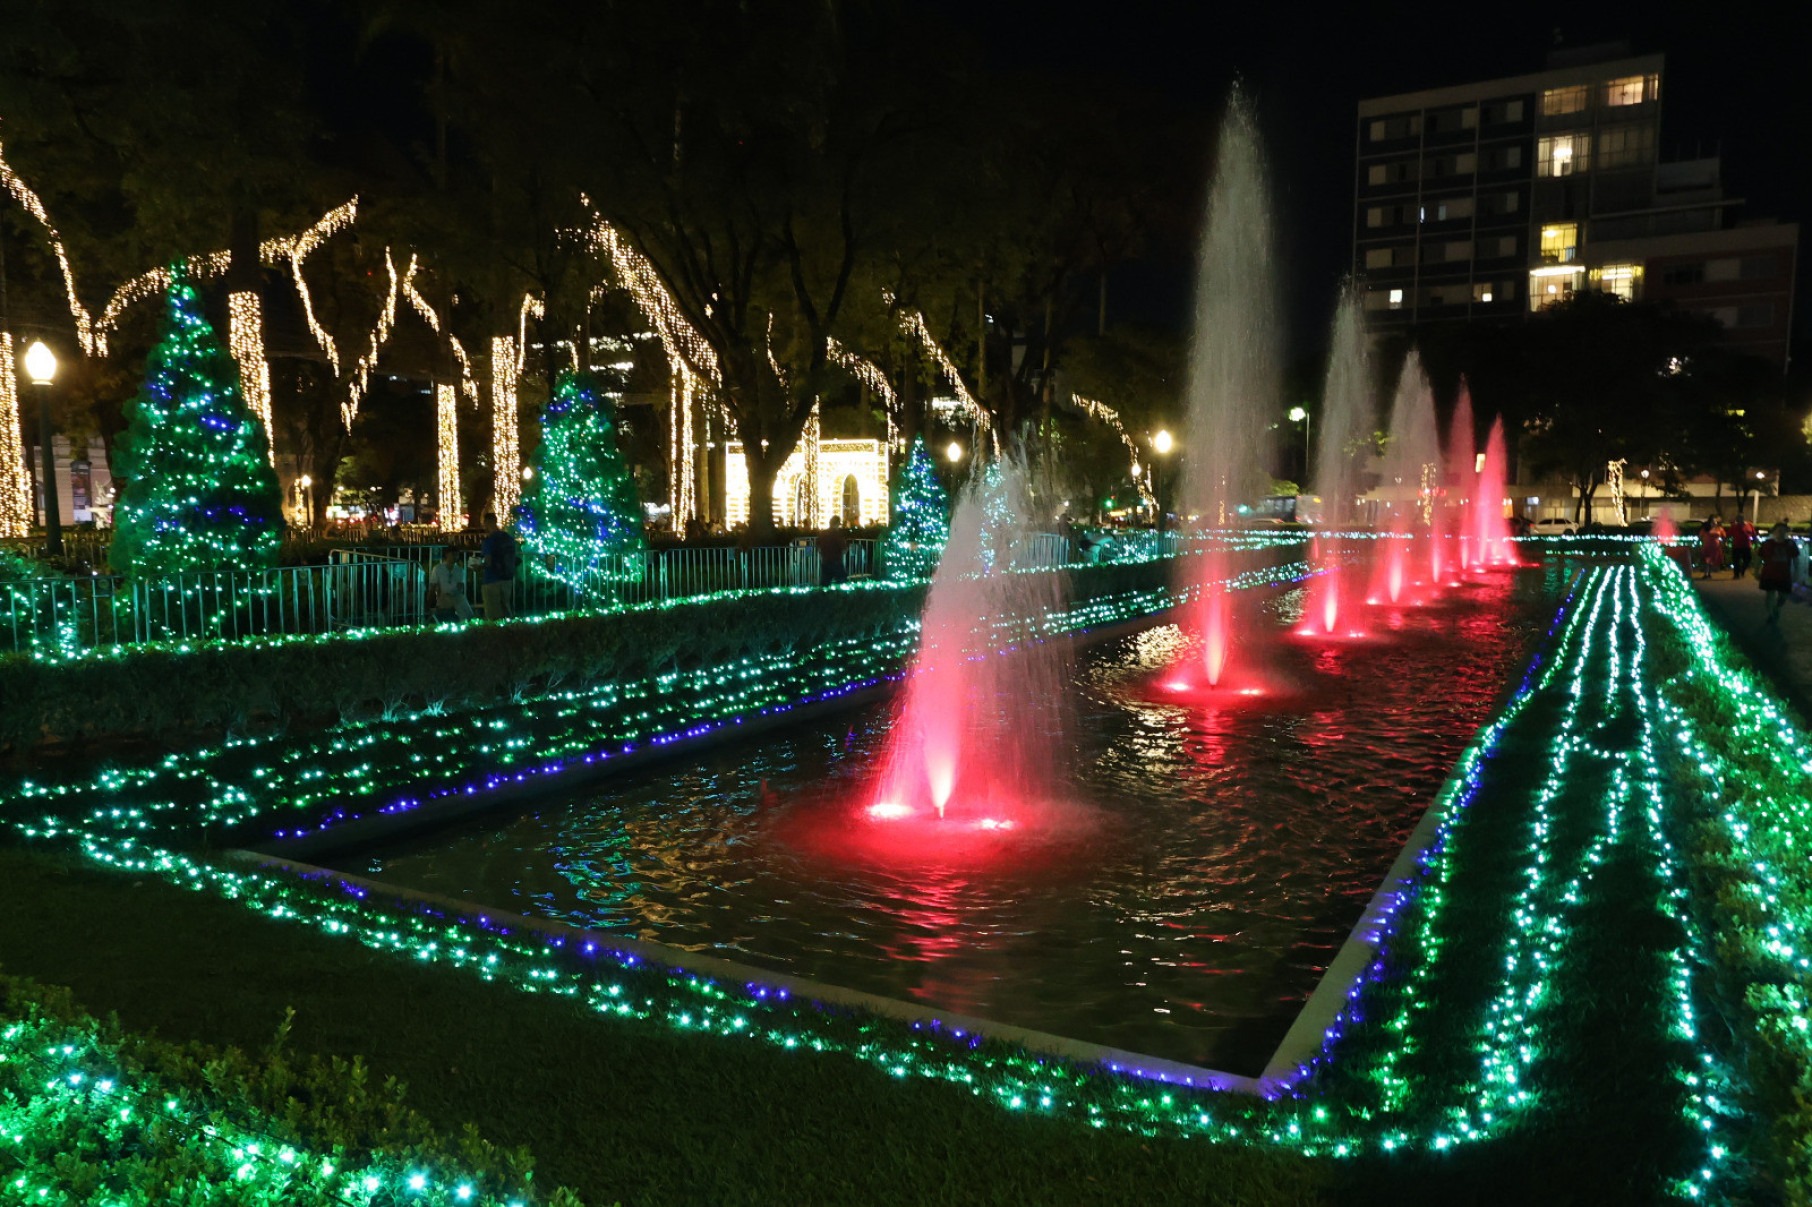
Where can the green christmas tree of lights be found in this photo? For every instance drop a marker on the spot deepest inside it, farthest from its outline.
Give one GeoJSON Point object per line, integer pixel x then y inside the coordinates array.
{"type": "Point", "coordinates": [200, 493]}
{"type": "Point", "coordinates": [921, 518]}
{"type": "Point", "coordinates": [579, 512]}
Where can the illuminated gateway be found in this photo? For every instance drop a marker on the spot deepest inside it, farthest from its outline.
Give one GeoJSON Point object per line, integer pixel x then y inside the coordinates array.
{"type": "Point", "coordinates": [846, 478]}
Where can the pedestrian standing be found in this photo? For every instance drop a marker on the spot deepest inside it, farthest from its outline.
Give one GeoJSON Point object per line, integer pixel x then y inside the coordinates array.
{"type": "Point", "coordinates": [447, 588]}
{"type": "Point", "coordinates": [1742, 546]}
{"type": "Point", "coordinates": [1711, 545]}
{"type": "Point", "coordinates": [499, 575]}
{"type": "Point", "coordinates": [831, 550]}
{"type": "Point", "coordinates": [1780, 559]}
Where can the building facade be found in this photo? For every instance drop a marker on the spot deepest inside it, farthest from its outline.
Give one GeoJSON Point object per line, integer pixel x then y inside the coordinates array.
{"type": "Point", "coordinates": [1491, 200]}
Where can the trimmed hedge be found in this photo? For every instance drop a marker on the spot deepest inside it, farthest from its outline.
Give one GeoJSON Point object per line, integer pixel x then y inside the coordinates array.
{"type": "Point", "coordinates": [168, 690]}
{"type": "Point", "coordinates": [94, 1114]}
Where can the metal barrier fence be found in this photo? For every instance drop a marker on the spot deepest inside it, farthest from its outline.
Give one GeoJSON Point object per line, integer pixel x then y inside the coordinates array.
{"type": "Point", "coordinates": [360, 588]}
{"type": "Point", "coordinates": [386, 586]}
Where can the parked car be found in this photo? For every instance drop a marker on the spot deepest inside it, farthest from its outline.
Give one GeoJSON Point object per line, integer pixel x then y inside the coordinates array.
{"type": "Point", "coordinates": [1551, 527]}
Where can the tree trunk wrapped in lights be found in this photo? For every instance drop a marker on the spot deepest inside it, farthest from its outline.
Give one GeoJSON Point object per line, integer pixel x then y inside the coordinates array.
{"type": "Point", "coordinates": [921, 518]}
{"type": "Point", "coordinates": [200, 493]}
{"type": "Point", "coordinates": [579, 512]}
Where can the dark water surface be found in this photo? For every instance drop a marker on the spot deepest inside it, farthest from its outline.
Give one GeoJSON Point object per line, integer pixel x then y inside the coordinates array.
{"type": "Point", "coordinates": [1182, 901]}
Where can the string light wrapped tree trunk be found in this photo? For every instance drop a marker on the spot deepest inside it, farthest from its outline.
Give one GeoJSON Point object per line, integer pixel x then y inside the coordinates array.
{"type": "Point", "coordinates": [580, 515]}
{"type": "Point", "coordinates": [921, 518]}
{"type": "Point", "coordinates": [199, 492]}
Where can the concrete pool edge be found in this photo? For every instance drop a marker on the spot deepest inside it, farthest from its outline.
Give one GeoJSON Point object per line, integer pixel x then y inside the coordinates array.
{"type": "Point", "coordinates": [1308, 1035]}
{"type": "Point", "coordinates": [1041, 1043]}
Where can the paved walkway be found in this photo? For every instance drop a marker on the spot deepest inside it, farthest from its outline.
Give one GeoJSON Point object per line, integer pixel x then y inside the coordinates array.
{"type": "Point", "coordinates": [1782, 652]}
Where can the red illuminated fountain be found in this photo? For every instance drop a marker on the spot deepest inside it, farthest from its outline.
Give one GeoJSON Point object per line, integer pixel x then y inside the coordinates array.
{"type": "Point", "coordinates": [1410, 562]}
{"type": "Point", "coordinates": [1484, 536]}
{"type": "Point", "coordinates": [1346, 415]}
{"type": "Point", "coordinates": [974, 746]}
{"type": "Point", "coordinates": [1232, 395]}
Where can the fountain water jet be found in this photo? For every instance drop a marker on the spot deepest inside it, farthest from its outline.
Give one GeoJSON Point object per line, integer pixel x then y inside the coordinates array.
{"type": "Point", "coordinates": [1462, 462]}
{"type": "Point", "coordinates": [1233, 373]}
{"type": "Point", "coordinates": [1409, 494]}
{"type": "Point", "coordinates": [981, 717]}
{"type": "Point", "coordinates": [1490, 528]}
{"type": "Point", "coordinates": [1346, 415]}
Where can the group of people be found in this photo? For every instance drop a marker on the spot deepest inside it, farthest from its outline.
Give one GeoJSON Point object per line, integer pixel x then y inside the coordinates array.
{"type": "Point", "coordinates": [1776, 559]}
{"type": "Point", "coordinates": [497, 577]}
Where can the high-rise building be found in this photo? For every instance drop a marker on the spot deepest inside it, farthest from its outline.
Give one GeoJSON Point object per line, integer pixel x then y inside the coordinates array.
{"type": "Point", "coordinates": [1491, 200]}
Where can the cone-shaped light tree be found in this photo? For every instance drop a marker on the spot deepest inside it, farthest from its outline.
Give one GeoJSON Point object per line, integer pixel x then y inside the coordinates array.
{"type": "Point", "coordinates": [199, 490]}
{"type": "Point", "coordinates": [921, 518]}
{"type": "Point", "coordinates": [579, 512]}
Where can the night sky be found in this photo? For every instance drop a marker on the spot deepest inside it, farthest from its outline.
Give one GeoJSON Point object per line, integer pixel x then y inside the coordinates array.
{"type": "Point", "coordinates": [1736, 81]}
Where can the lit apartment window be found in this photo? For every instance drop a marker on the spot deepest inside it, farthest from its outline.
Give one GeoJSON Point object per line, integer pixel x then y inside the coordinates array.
{"type": "Point", "coordinates": [1556, 101]}
{"type": "Point", "coordinates": [1551, 284]}
{"type": "Point", "coordinates": [1624, 280]}
{"type": "Point", "coordinates": [1396, 299]}
{"type": "Point", "coordinates": [1562, 155]}
{"type": "Point", "coordinates": [1632, 89]}
{"type": "Point", "coordinates": [1626, 146]}
{"type": "Point", "coordinates": [1482, 291]}
{"type": "Point", "coordinates": [1559, 242]}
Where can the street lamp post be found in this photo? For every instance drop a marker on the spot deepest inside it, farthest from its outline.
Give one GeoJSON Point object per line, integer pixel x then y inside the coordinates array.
{"type": "Point", "coordinates": [1161, 444]}
{"type": "Point", "coordinates": [41, 368]}
{"type": "Point", "coordinates": [1301, 415]}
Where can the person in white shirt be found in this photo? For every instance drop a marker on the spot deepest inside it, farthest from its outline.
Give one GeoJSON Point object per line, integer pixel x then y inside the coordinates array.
{"type": "Point", "coordinates": [447, 588]}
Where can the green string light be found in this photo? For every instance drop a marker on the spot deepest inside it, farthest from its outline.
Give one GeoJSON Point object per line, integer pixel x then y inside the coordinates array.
{"type": "Point", "coordinates": [579, 512]}
{"type": "Point", "coordinates": [199, 492]}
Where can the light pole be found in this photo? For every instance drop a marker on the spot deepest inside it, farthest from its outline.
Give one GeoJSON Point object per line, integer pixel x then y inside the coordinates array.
{"type": "Point", "coordinates": [1301, 415]}
{"type": "Point", "coordinates": [41, 368]}
{"type": "Point", "coordinates": [307, 500]}
{"type": "Point", "coordinates": [1161, 444]}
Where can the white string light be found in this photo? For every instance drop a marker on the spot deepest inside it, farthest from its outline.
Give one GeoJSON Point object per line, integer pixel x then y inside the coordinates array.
{"type": "Point", "coordinates": [1102, 413]}
{"type": "Point", "coordinates": [446, 412]}
{"type": "Point", "coordinates": [506, 447]}
{"type": "Point", "coordinates": [15, 482]}
{"type": "Point", "coordinates": [869, 374]}
{"type": "Point", "coordinates": [380, 335]}
{"type": "Point", "coordinates": [532, 307]}
{"type": "Point", "coordinates": [635, 274]}
{"type": "Point", "coordinates": [245, 339]}
{"type": "Point", "coordinates": [296, 250]}
{"type": "Point", "coordinates": [913, 324]}
{"type": "Point", "coordinates": [682, 469]}
{"type": "Point", "coordinates": [153, 283]}
{"type": "Point", "coordinates": [813, 439]}
{"type": "Point", "coordinates": [446, 485]}
{"type": "Point", "coordinates": [33, 205]}
{"type": "Point", "coordinates": [467, 383]}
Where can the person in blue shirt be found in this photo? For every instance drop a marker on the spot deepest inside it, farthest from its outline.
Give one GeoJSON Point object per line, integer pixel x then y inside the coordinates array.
{"type": "Point", "coordinates": [499, 578]}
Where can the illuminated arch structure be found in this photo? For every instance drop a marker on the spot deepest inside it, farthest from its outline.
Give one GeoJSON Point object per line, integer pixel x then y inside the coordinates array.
{"type": "Point", "coordinates": [807, 498]}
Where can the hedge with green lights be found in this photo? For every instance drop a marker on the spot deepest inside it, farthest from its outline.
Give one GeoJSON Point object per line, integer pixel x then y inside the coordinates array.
{"type": "Point", "coordinates": [92, 1114]}
{"type": "Point", "coordinates": [1744, 765]}
{"type": "Point", "coordinates": [164, 690]}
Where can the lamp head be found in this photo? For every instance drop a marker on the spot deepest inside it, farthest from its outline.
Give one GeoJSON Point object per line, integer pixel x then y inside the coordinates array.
{"type": "Point", "coordinates": [954, 451]}
{"type": "Point", "coordinates": [40, 363]}
{"type": "Point", "coordinates": [1162, 442]}
{"type": "Point", "coordinates": [1298, 414]}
